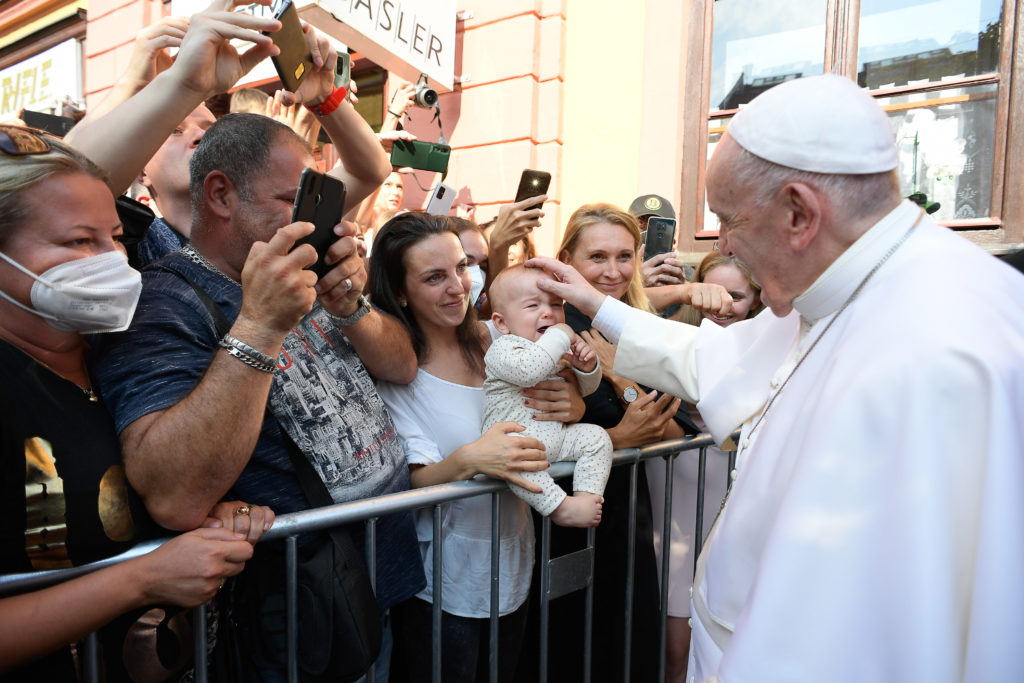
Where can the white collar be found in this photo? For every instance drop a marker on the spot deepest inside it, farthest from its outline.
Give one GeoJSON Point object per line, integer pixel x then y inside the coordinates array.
{"type": "Point", "coordinates": [836, 284]}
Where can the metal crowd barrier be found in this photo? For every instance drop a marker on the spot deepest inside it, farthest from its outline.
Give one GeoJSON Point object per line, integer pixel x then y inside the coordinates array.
{"type": "Point", "coordinates": [559, 576]}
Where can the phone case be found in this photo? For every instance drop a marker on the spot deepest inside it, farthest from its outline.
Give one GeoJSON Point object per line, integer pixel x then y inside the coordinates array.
{"type": "Point", "coordinates": [294, 62]}
{"type": "Point", "coordinates": [532, 184]}
{"type": "Point", "coordinates": [660, 234]}
{"type": "Point", "coordinates": [320, 201]}
{"type": "Point", "coordinates": [422, 155]}
{"type": "Point", "coordinates": [441, 200]}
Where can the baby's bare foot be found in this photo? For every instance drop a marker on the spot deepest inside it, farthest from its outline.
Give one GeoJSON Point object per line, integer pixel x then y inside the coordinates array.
{"type": "Point", "coordinates": [581, 509]}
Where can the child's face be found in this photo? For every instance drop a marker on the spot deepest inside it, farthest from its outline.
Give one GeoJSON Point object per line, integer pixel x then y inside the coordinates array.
{"type": "Point", "coordinates": [527, 311]}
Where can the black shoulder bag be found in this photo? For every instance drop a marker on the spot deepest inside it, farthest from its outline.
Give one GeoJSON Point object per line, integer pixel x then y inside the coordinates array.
{"type": "Point", "coordinates": [339, 620]}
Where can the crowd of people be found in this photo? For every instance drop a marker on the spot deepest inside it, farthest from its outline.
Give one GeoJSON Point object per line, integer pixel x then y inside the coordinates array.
{"type": "Point", "coordinates": [167, 362]}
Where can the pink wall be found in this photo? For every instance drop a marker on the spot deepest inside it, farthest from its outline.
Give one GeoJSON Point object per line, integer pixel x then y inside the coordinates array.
{"type": "Point", "coordinates": [505, 117]}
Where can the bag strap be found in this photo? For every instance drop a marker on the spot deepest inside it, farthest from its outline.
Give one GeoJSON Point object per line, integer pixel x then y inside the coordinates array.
{"type": "Point", "coordinates": [312, 485]}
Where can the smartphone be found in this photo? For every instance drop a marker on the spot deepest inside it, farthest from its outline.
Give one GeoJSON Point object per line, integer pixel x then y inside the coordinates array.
{"type": "Point", "coordinates": [295, 60]}
{"type": "Point", "coordinates": [321, 201]}
{"type": "Point", "coordinates": [661, 232]}
{"type": "Point", "coordinates": [343, 73]}
{"type": "Point", "coordinates": [51, 123]}
{"type": "Point", "coordinates": [425, 156]}
{"type": "Point", "coordinates": [532, 183]}
{"type": "Point", "coordinates": [441, 200]}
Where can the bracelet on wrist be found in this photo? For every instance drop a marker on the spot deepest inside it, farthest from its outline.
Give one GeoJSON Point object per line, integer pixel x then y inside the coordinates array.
{"type": "Point", "coordinates": [248, 360]}
{"type": "Point", "coordinates": [331, 103]}
{"type": "Point", "coordinates": [397, 116]}
{"type": "Point", "coordinates": [247, 354]}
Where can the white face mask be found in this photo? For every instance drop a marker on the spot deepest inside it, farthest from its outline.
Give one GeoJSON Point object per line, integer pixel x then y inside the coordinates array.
{"type": "Point", "coordinates": [476, 275]}
{"type": "Point", "coordinates": [87, 295]}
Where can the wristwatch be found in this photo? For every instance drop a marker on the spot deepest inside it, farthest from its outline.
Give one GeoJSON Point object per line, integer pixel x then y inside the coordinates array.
{"type": "Point", "coordinates": [630, 394]}
{"type": "Point", "coordinates": [364, 308]}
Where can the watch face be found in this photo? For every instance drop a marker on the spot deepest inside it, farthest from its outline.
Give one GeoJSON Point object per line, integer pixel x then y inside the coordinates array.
{"type": "Point", "coordinates": [630, 394]}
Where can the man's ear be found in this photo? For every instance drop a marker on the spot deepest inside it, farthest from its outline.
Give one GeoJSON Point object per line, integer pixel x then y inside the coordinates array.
{"type": "Point", "coordinates": [803, 215]}
{"type": "Point", "coordinates": [499, 322]}
{"type": "Point", "coordinates": [219, 195]}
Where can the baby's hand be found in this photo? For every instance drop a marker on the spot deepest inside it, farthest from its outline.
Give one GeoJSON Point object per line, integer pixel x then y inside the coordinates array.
{"type": "Point", "coordinates": [582, 356]}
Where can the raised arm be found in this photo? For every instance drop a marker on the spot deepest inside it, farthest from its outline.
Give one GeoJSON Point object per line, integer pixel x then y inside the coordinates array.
{"type": "Point", "coordinates": [183, 459]}
{"type": "Point", "coordinates": [124, 140]}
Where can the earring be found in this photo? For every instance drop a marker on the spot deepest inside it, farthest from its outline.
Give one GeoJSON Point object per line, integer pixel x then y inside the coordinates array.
{"type": "Point", "coordinates": [402, 303]}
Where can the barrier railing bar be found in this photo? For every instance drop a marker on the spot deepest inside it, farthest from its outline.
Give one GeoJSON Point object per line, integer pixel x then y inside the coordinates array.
{"type": "Point", "coordinates": [627, 646]}
{"type": "Point", "coordinates": [435, 612]}
{"type": "Point", "coordinates": [371, 569]}
{"type": "Point", "coordinates": [199, 645]}
{"type": "Point", "coordinates": [495, 583]}
{"type": "Point", "coordinates": [91, 658]}
{"type": "Point", "coordinates": [666, 537]}
{"type": "Point", "coordinates": [588, 610]}
{"type": "Point", "coordinates": [291, 592]}
{"type": "Point", "coordinates": [698, 535]}
{"type": "Point", "coordinates": [545, 588]}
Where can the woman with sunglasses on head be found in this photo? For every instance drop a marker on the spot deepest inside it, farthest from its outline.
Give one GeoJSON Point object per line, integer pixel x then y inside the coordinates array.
{"type": "Point", "coordinates": [64, 275]}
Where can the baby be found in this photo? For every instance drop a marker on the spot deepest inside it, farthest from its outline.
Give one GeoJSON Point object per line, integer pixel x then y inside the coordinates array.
{"type": "Point", "coordinates": [534, 340]}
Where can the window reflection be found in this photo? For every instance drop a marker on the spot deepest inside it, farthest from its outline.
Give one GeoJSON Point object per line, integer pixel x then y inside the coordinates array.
{"type": "Point", "coordinates": [760, 43]}
{"type": "Point", "coordinates": [910, 42]}
{"type": "Point", "coordinates": [945, 144]}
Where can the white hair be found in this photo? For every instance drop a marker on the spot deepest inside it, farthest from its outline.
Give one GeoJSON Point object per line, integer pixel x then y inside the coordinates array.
{"type": "Point", "coordinates": [852, 195]}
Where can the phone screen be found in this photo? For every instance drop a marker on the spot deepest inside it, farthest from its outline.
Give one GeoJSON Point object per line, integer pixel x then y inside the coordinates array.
{"type": "Point", "coordinates": [320, 200]}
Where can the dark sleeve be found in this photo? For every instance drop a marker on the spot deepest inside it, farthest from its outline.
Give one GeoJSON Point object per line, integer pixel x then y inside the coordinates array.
{"type": "Point", "coordinates": [603, 406]}
{"type": "Point", "coordinates": [160, 358]}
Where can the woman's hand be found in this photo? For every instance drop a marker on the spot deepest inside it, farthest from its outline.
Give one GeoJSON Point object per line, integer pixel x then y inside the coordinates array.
{"type": "Point", "coordinates": [500, 455]}
{"type": "Point", "coordinates": [189, 569]}
{"type": "Point", "coordinates": [663, 269]}
{"type": "Point", "coordinates": [248, 520]}
{"type": "Point", "coordinates": [298, 118]}
{"type": "Point", "coordinates": [604, 349]}
{"type": "Point", "coordinates": [555, 400]}
{"type": "Point", "coordinates": [645, 420]}
{"type": "Point", "coordinates": [150, 55]}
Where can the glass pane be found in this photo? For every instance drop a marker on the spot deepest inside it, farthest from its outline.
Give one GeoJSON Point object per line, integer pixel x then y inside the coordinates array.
{"type": "Point", "coordinates": [715, 129]}
{"type": "Point", "coordinates": [911, 42]}
{"type": "Point", "coordinates": [945, 141]}
{"type": "Point", "coordinates": [760, 43]}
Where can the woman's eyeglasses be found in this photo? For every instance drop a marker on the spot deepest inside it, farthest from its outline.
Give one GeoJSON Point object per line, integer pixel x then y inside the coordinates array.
{"type": "Point", "coordinates": [17, 141]}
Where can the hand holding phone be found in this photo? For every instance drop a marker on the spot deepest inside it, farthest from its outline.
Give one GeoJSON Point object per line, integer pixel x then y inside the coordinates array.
{"type": "Point", "coordinates": [420, 154]}
{"type": "Point", "coordinates": [320, 200]}
{"type": "Point", "coordinates": [294, 62]}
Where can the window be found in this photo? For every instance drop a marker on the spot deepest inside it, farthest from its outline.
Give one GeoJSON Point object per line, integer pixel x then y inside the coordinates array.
{"type": "Point", "coordinates": [940, 69]}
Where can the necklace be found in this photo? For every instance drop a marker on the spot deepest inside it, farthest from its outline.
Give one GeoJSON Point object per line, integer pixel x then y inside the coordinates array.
{"type": "Point", "coordinates": [190, 252]}
{"type": "Point", "coordinates": [849, 300]}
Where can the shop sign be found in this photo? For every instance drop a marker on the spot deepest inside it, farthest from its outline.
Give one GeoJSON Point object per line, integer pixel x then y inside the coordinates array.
{"type": "Point", "coordinates": [408, 37]}
{"type": "Point", "coordinates": [39, 81]}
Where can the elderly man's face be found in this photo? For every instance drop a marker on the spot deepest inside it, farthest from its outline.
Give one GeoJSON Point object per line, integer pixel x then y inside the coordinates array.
{"type": "Point", "coordinates": [751, 233]}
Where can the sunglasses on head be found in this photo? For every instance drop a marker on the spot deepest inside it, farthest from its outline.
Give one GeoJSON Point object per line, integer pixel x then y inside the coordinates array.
{"type": "Point", "coordinates": [19, 141]}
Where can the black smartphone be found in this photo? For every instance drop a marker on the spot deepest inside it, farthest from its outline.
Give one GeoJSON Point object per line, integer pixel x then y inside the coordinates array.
{"type": "Point", "coordinates": [321, 201]}
{"type": "Point", "coordinates": [51, 123]}
{"type": "Point", "coordinates": [420, 154]}
{"type": "Point", "coordinates": [661, 232]}
{"type": "Point", "coordinates": [532, 183]}
{"type": "Point", "coordinates": [295, 60]}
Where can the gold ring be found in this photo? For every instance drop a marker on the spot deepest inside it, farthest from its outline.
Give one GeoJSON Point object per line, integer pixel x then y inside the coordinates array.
{"type": "Point", "coordinates": [242, 510]}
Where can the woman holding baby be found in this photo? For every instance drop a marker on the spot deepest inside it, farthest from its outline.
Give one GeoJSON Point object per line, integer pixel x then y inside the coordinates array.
{"type": "Point", "coordinates": [419, 274]}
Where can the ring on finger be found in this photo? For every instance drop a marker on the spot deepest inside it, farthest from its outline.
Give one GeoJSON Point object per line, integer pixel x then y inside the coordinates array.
{"type": "Point", "coordinates": [242, 510]}
{"type": "Point", "coordinates": [348, 285]}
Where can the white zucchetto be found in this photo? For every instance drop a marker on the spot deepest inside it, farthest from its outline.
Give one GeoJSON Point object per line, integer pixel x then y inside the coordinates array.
{"type": "Point", "coordinates": [823, 124]}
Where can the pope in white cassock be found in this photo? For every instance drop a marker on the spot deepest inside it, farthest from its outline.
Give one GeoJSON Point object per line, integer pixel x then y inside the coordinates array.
{"type": "Point", "coordinates": [875, 529]}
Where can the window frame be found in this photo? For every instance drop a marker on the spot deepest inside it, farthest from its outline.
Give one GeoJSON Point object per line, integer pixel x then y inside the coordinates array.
{"type": "Point", "coordinates": [1003, 224]}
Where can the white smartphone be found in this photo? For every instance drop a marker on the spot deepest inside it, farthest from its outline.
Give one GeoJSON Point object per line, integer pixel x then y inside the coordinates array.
{"type": "Point", "coordinates": [441, 200]}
